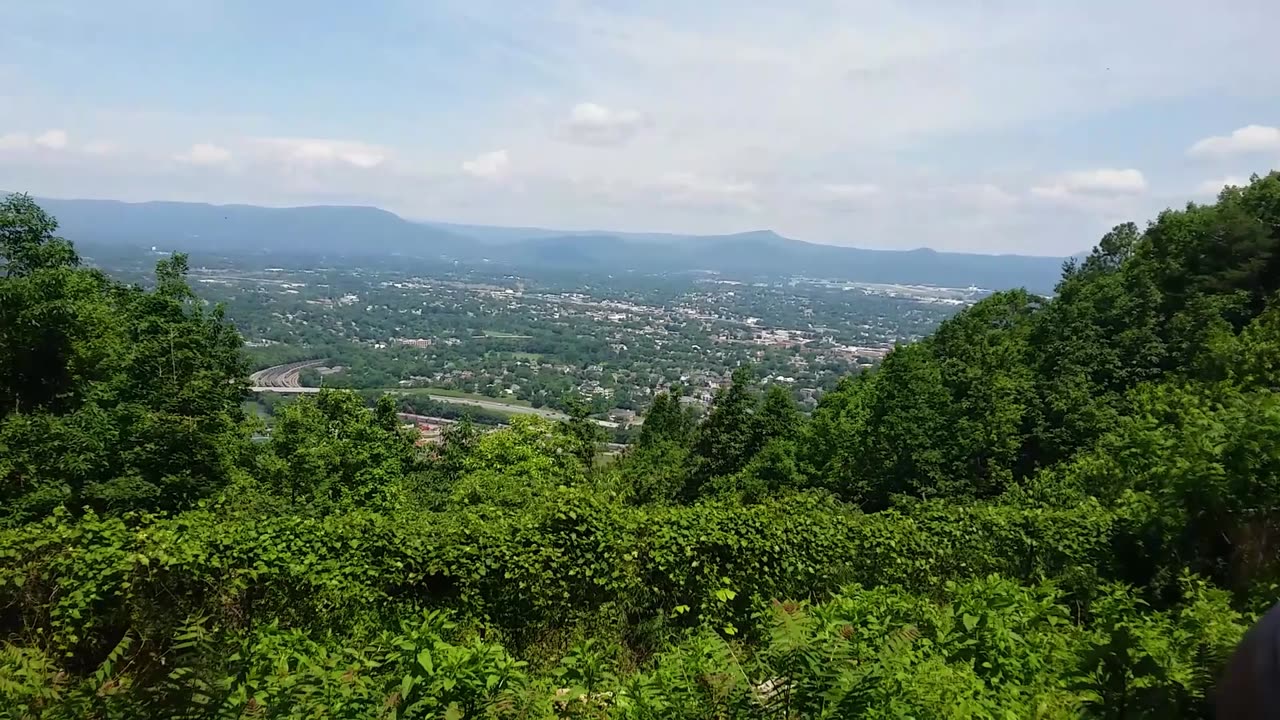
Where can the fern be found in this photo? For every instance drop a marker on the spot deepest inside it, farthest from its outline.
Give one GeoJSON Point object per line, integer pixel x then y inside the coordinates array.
{"type": "Point", "coordinates": [105, 678]}
{"type": "Point", "coordinates": [850, 682]}
{"type": "Point", "coordinates": [28, 679]}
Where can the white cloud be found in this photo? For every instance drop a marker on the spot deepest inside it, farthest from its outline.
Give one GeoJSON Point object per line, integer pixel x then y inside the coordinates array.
{"type": "Point", "coordinates": [489, 166]}
{"type": "Point", "coordinates": [101, 147]}
{"type": "Point", "coordinates": [850, 191]}
{"type": "Point", "coordinates": [984, 196]}
{"type": "Point", "coordinates": [1106, 180]}
{"type": "Point", "coordinates": [1213, 187]}
{"type": "Point", "coordinates": [205, 154]}
{"type": "Point", "coordinates": [1099, 182]}
{"type": "Point", "coordinates": [49, 140]}
{"type": "Point", "coordinates": [320, 151]}
{"type": "Point", "coordinates": [15, 141]}
{"type": "Point", "coordinates": [699, 191]}
{"type": "Point", "coordinates": [52, 139]}
{"type": "Point", "coordinates": [593, 124]}
{"type": "Point", "coordinates": [1248, 139]}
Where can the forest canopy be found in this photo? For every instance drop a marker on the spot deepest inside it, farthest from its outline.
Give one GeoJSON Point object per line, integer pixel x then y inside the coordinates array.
{"type": "Point", "coordinates": [1052, 507]}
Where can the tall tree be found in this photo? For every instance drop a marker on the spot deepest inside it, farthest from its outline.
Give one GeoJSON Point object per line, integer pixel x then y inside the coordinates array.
{"type": "Point", "coordinates": [666, 421]}
{"type": "Point", "coordinates": [984, 357]}
{"type": "Point", "coordinates": [833, 448]}
{"type": "Point", "coordinates": [27, 241]}
{"type": "Point", "coordinates": [583, 432]}
{"type": "Point", "coordinates": [778, 418]}
{"type": "Point", "coordinates": [48, 305]}
{"type": "Point", "coordinates": [908, 429]}
{"type": "Point", "coordinates": [110, 395]}
{"type": "Point", "coordinates": [729, 437]}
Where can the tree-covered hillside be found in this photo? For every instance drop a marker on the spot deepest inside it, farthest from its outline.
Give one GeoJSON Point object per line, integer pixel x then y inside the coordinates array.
{"type": "Point", "coordinates": [1050, 508]}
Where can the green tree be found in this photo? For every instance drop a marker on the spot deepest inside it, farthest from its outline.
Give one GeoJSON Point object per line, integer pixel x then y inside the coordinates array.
{"type": "Point", "coordinates": [774, 465]}
{"type": "Point", "coordinates": [110, 395]}
{"type": "Point", "coordinates": [333, 449]}
{"type": "Point", "coordinates": [833, 448]}
{"type": "Point", "coordinates": [729, 437]}
{"type": "Point", "coordinates": [778, 418]}
{"type": "Point", "coordinates": [908, 433]}
{"type": "Point", "coordinates": [666, 421]}
{"type": "Point", "coordinates": [46, 305]}
{"type": "Point", "coordinates": [515, 466]}
{"type": "Point", "coordinates": [583, 432]}
{"type": "Point", "coordinates": [984, 355]}
{"type": "Point", "coordinates": [457, 442]}
{"type": "Point", "coordinates": [655, 473]}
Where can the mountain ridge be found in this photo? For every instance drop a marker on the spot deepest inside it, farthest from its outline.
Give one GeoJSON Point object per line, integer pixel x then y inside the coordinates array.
{"type": "Point", "coordinates": [365, 231]}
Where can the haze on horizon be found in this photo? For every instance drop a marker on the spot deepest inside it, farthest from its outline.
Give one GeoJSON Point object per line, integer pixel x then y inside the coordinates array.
{"type": "Point", "coordinates": [991, 127]}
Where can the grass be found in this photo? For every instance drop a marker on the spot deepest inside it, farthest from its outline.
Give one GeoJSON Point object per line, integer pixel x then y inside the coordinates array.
{"type": "Point", "coordinates": [255, 408]}
{"type": "Point", "coordinates": [446, 392]}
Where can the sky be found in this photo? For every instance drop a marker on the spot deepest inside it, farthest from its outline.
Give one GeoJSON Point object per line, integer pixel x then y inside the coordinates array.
{"type": "Point", "coordinates": [1026, 126]}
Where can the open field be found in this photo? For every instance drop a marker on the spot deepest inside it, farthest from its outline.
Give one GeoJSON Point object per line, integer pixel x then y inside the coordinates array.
{"type": "Point", "coordinates": [286, 375]}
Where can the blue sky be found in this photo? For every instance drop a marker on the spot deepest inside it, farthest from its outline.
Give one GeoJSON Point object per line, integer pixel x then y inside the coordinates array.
{"type": "Point", "coordinates": [984, 125]}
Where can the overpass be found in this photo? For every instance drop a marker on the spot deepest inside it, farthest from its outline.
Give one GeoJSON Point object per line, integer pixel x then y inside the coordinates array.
{"type": "Point", "coordinates": [283, 376]}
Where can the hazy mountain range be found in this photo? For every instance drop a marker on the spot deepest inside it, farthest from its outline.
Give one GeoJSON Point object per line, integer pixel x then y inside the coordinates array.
{"type": "Point", "coordinates": [367, 231]}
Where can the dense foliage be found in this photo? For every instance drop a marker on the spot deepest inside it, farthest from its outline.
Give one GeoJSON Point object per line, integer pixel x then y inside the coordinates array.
{"type": "Point", "coordinates": [1050, 508]}
{"type": "Point", "coordinates": [111, 396]}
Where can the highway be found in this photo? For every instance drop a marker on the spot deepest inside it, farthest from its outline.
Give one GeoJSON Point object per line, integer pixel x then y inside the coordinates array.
{"type": "Point", "coordinates": [283, 376]}
{"type": "Point", "coordinates": [283, 379]}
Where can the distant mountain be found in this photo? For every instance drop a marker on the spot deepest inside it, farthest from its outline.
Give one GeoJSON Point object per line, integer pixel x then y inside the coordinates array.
{"type": "Point", "coordinates": [369, 232]}
{"type": "Point", "coordinates": [499, 235]}
{"type": "Point", "coordinates": [321, 229]}
{"type": "Point", "coordinates": [767, 253]}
